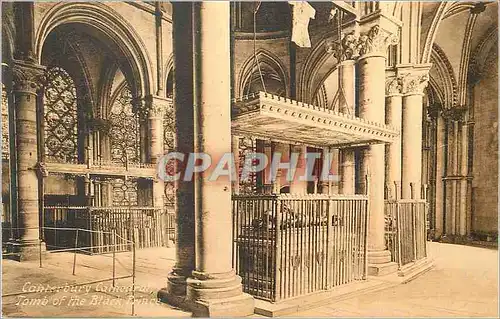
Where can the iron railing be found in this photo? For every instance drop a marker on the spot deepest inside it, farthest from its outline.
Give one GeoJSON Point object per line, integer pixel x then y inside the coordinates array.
{"type": "Point", "coordinates": [146, 226]}
{"type": "Point", "coordinates": [291, 245]}
{"type": "Point", "coordinates": [406, 230]}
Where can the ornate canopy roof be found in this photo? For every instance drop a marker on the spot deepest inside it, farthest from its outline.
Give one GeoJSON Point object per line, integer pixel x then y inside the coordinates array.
{"type": "Point", "coordinates": [271, 117]}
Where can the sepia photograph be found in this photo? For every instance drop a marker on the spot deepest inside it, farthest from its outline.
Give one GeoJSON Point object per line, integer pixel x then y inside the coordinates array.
{"type": "Point", "coordinates": [334, 159]}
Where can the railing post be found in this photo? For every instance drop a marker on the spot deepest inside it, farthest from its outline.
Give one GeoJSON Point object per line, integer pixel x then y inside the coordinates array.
{"type": "Point", "coordinates": [113, 234]}
{"type": "Point", "coordinates": [277, 232]}
{"type": "Point", "coordinates": [133, 276]}
{"type": "Point", "coordinates": [40, 251]}
{"type": "Point", "coordinates": [74, 255]}
{"type": "Point", "coordinates": [329, 242]}
{"type": "Point", "coordinates": [414, 230]}
{"type": "Point", "coordinates": [367, 220]}
{"type": "Point", "coordinates": [398, 233]}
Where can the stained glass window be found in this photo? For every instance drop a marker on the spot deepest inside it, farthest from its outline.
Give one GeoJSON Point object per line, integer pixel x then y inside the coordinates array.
{"type": "Point", "coordinates": [5, 123]}
{"type": "Point", "coordinates": [124, 192]}
{"type": "Point", "coordinates": [125, 145]}
{"type": "Point", "coordinates": [169, 129]}
{"type": "Point", "coordinates": [124, 132]}
{"type": "Point", "coordinates": [60, 111]}
{"type": "Point", "coordinates": [168, 146]}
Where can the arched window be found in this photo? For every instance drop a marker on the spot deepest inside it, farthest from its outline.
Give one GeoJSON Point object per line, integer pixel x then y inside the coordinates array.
{"type": "Point", "coordinates": [5, 123]}
{"type": "Point", "coordinates": [125, 145]}
{"type": "Point", "coordinates": [124, 132]}
{"type": "Point", "coordinates": [168, 146]}
{"type": "Point", "coordinates": [61, 120]}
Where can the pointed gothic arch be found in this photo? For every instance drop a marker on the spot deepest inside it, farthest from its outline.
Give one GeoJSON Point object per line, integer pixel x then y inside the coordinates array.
{"type": "Point", "coordinates": [272, 68]}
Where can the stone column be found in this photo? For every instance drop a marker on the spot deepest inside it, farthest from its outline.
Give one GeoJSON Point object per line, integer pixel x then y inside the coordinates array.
{"type": "Point", "coordinates": [371, 67]}
{"type": "Point", "coordinates": [27, 78]}
{"type": "Point", "coordinates": [393, 109]}
{"type": "Point", "coordinates": [175, 292]}
{"type": "Point", "coordinates": [347, 80]}
{"type": "Point", "coordinates": [440, 171]}
{"type": "Point", "coordinates": [156, 109]}
{"type": "Point", "coordinates": [235, 146]}
{"type": "Point", "coordinates": [413, 86]}
{"type": "Point", "coordinates": [297, 186]}
{"type": "Point", "coordinates": [213, 289]}
{"type": "Point", "coordinates": [268, 185]}
{"type": "Point", "coordinates": [464, 213]}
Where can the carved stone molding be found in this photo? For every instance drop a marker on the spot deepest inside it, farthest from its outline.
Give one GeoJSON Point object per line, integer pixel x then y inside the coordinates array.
{"type": "Point", "coordinates": [375, 41]}
{"type": "Point", "coordinates": [151, 106]}
{"type": "Point", "coordinates": [393, 85]}
{"type": "Point", "coordinates": [27, 77]}
{"type": "Point", "coordinates": [415, 83]}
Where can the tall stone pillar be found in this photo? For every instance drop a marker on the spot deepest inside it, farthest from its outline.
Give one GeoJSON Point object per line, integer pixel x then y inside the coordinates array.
{"type": "Point", "coordinates": [175, 292]}
{"type": "Point", "coordinates": [235, 145]}
{"type": "Point", "coordinates": [371, 67]}
{"type": "Point", "coordinates": [413, 86]}
{"type": "Point", "coordinates": [157, 106]}
{"type": "Point", "coordinates": [213, 289]}
{"type": "Point", "coordinates": [464, 211]}
{"type": "Point", "coordinates": [440, 172]}
{"type": "Point", "coordinates": [27, 78]}
{"type": "Point", "coordinates": [393, 107]}
{"type": "Point", "coordinates": [347, 80]}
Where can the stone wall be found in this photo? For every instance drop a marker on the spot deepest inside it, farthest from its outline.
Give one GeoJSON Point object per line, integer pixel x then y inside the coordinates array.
{"type": "Point", "coordinates": [485, 167]}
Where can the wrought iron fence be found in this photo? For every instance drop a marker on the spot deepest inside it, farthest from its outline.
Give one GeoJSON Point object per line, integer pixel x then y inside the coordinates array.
{"type": "Point", "coordinates": [146, 226]}
{"type": "Point", "coordinates": [406, 230]}
{"type": "Point", "coordinates": [291, 245]}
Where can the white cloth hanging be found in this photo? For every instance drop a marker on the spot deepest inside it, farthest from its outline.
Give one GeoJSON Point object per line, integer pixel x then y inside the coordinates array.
{"type": "Point", "coordinates": [302, 12]}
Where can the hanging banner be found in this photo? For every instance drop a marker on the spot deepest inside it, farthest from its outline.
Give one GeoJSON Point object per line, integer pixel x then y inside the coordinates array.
{"type": "Point", "coordinates": [302, 12]}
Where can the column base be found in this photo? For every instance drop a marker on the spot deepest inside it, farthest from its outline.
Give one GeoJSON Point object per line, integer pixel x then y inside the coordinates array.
{"type": "Point", "coordinates": [26, 250]}
{"type": "Point", "coordinates": [379, 263]}
{"type": "Point", "coordinates": [217, 295]}
{"type": "Point", "coordinates": [175, 292]}
{"type": "Point", "coordinates": [239, 306]}
{"type": "Point", "coordinates": [207, 295]}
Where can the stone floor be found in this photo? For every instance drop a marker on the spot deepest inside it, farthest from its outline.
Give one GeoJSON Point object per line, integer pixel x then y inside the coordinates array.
{"type": "Point", "coordinates": [464, 283]}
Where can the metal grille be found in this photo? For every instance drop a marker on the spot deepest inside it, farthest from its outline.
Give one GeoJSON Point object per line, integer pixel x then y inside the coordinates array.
{"type": "Point", "coordinates": [142, 225]}
{"type": "Point", "coordinates": [60, 112]}
{"type": "Point", "coordinates": [406, 230]}
{"type": "Point", "coordinates": [291, 245]}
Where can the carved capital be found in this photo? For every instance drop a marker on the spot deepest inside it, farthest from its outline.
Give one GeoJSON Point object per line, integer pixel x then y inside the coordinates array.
{"type": "Point", "coordinates": [27, 77]}
{"type": "Point", "coordinates": [375, 41]}
{"type": "Point", "coordinates": [98, 125]}
{"type": "Point", "coordinates": [393, 86]}
{"type": "Point", "coordinates": [456, 113]}
{"type": "Point", "coordinates": [415, 84]}
{"type": "Point", "coordinates": [434, 110]}
{"type": "Point", "coordinates": [346, 49]}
